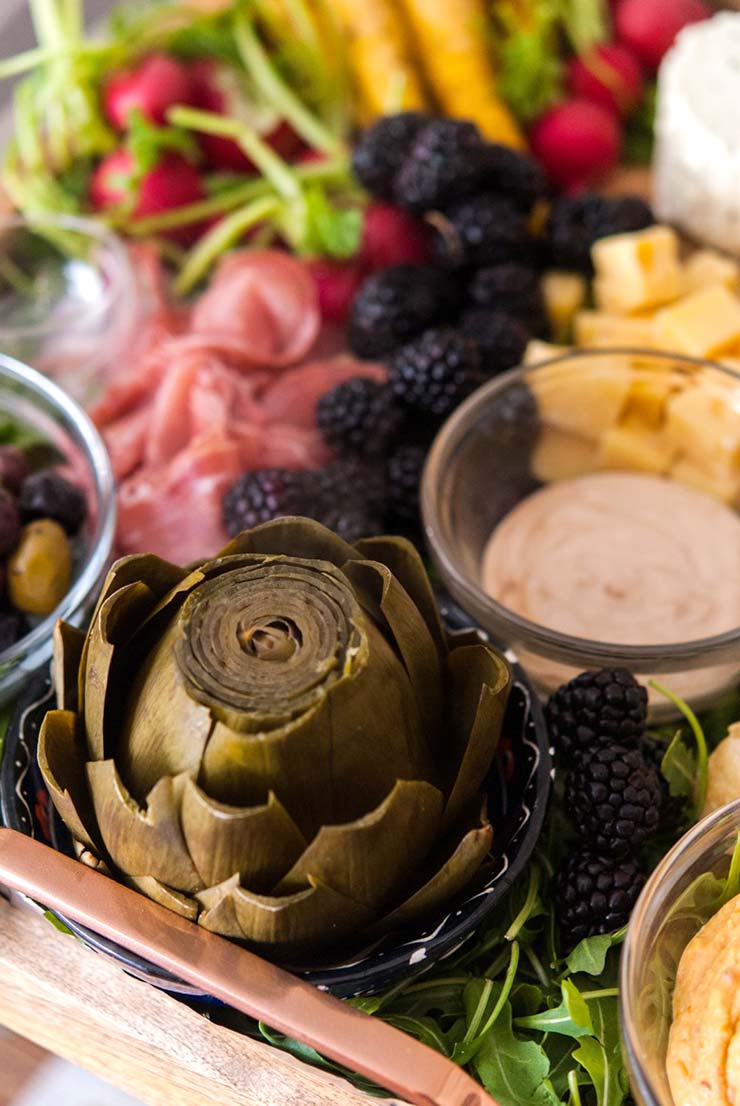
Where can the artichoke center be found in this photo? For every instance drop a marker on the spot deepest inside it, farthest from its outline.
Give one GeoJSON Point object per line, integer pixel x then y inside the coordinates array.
{"type": "Point", "coordinates": [277, 640]}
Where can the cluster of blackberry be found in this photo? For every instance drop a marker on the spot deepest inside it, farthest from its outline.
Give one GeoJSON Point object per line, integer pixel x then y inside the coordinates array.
{"type": "Point", "coordinates": [615, 796]}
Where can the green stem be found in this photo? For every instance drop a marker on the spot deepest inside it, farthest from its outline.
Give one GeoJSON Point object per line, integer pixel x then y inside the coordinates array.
{"type": "Point", "coordinates": [733, 876]}
{"type": "Point", "coordinates": [29, 59]}
{"type": "Point", "coordinates": [529, 904]}
{"type": "Point", "coordinates": [575, 1091]}
{"type": "Point", "coordinates": [702, 753]}
{"type": "Point", "coordinates": [47, 22]}
{"type": "Point", "coordinates": [537, 966]}
{"type": "Point", "coordinates": [607, 992]}
{"type": "Point", "coordinates": [220, 238]}
{"type": "Point", "coordinates": [267, 161]}
{"type": "Point", "coordinates": [277, 93]}
{"type": "Point", "coordinates": [473, 1040]}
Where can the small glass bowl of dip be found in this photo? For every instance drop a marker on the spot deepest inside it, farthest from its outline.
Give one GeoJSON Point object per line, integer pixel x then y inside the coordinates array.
{"type": "Point", "coordinates": [588, 413]}
{"type": "Point", "coordinates": [68, 298]}
{"type": "Point", "coordinates": [38, 404]}
{"type": "Point", "coordinates": [679, 897]}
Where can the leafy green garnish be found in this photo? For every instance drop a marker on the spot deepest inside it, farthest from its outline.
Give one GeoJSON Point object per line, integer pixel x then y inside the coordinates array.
{"type": "Point", "coordinates": [147, 143]}
{"type": "Point", "coordinates": [590, 954]}
{"type": "Point", "coordinates": [701, 773]}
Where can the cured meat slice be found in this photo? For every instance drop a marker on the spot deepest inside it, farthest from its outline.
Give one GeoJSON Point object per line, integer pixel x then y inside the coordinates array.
{"type": "Point", "coordinates": [294, 395]}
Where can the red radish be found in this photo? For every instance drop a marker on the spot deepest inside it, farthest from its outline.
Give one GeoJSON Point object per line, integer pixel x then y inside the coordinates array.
{"type": "Point", "coordinates": [610, 75]}
{"type": "Point", "coordinates": [219, 89]}
{"type": "Point", "coordinates": [172, 183]}
{"type": "Point", "coordinates": [391, 236]}
{"type": "Point", "coordinates": [649, 27]}
{"type": "Point", "coordinates": [338, 283]}
{"type": "Point", "coordinates": [152, 88]}
{"type": "Point", "coordinates": [577, 142]}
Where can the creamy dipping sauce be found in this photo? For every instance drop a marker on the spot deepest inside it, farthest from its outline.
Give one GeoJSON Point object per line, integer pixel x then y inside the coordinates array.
{"type": "Point", "coordinates": [619, 557]}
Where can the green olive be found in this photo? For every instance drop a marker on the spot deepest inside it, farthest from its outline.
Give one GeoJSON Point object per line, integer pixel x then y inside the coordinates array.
{"type": "Point", "coordinates": [40, 569]}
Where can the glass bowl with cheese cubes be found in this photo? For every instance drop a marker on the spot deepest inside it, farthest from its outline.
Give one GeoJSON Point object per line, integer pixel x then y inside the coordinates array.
{"type": "Point", "coordinates": [584, 508]}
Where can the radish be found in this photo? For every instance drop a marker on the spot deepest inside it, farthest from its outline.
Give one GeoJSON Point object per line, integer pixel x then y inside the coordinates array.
{"type": "Point", "coordinates": [609, 75]}
{"type": "Point", "coordinates": [172, 183]}
{"type": "Point", "coordinates": [649, 27]}
{"type": "Point", "coordinates": [218, 88]}
{"type": "Point", "coordinates": [577, 142]}
{"type": "Point", "coordinates": [156, 85]}
{"type": "Point", "coordinates": [337, 283]}
{"type": "Point", "coordinates": [390, 236]}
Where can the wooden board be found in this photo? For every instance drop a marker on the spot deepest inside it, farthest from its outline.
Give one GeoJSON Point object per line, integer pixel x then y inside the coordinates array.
{"type": "Point", "coordinates": [75, 1003]}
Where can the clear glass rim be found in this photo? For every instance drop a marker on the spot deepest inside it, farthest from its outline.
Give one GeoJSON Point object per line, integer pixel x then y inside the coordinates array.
{"type": "Point", "coordinates": [101, 541]}
{"type": "Point", "coordinates": [121, 273]}
{"type": "Point", "coordinates": [685, 852]}
{"type": "Point", "coordinates": [551, 642]}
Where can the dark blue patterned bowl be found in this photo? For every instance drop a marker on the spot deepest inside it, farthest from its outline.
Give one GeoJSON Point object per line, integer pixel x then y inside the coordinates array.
{"type": "Point", "coordinates": [518, 789]}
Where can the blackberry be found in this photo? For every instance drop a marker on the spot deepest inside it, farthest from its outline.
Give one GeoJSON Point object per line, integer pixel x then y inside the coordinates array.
{"type": "Point", "coordinates": [10, 523]}
{"type": "Point", "coordinates": [14, 467]}
{"type": "Point", "coordinates": [262, 495]}
{"type": "Point", "coordinates": [613, 797]}
{"type": "Point", "coordinates": [380, 150]}
{"type": "Point", "coordinates": [434, 373]}
{"type": "Point", "coordinates": [501, 339]}
{"type": "Point", "coordinates": [515, 175]}
{"type": "Point", "coordinates": [480, 230]}
{"type": "Point", "coordinates": [594, 894]}
{"type": "Point", "coordinates": [447, 158]}
{"type": "Point", "coordinates": [600, 705]}
{"type": "Point", "coordinates": [404, 470]}
{"type": "Point", "coordinates": [352, 482]}
{"type": "Point", "coordinates": [358, 416]}
{"type": "Point", "coordinates": [672, 810]}
{"type": "Point", "coordinates": [513, 288]}
{"type": "Point", "coordinates": [13, 627]}
{"type": "Point", "coordinates": [352, 522]}
{"type": "Point", "coordinates": [576, 222]}
{"type": "Point", "coordinates": [394, 305]}
{"type": "Point", "coordinates": [46, 494]}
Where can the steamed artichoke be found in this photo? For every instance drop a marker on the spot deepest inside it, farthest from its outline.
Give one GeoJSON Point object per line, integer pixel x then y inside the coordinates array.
{"type": "Point", "coordinates": [279, 743]}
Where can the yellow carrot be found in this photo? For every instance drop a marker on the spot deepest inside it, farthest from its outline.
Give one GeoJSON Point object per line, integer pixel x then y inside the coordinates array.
{"type": "Point", "coordinates": [380, 56]}
{"type": "Point", "coordinates": [451, 40]}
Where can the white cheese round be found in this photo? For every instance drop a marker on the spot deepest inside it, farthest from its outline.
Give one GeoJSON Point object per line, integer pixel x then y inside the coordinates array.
{"type": "Point", "coordinates": [696, 166]}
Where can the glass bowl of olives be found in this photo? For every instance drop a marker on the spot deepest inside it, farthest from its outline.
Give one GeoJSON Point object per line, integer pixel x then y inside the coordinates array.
{"type": "Point", "coordinates": [57, 518]}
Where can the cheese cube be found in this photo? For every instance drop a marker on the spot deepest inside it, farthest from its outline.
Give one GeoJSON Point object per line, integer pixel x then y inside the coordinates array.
{"type": "Point", "coordinates": [704, 427]}
{"type": "Point", "coordinates": [600, 328]}
{"type": "Point", "coordinates": [724, 486]}
{"type": "Point", "coordinates": [649, 392]}
{"type": "Point", "coordinates": [538, 350]}
{"type": "Point", "coordinates": [637, 271]}
{"type": "Point", "coordinates": [585, 396]}
{"type": "Point", "coordinates": [706, 267]}
{"type": "Point", "coordinates": [634, 447]}
{"type": "Point", "coordinates": [563, 294]}
{"type": "Point", "coordinates": [703, 324]}
{"type": "Point", "coordinates": [559, 455]}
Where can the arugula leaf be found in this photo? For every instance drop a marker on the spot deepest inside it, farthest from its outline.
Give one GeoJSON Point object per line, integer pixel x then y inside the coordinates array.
{"type": "Point", "coordinates": [600, 1055]}
{"type": "Point", "coordinates": [590, 954]}
{"type": "Point", "coordinates": [330, 229]}
{"type": "Point", "coordinates": [514, 1070]}
{"type": "Point", "coordinates": [571, 1018]}
{"type": "Point", "coordinates": [678, 766]}
{"type": "Point", "coordinates": [147, 143]}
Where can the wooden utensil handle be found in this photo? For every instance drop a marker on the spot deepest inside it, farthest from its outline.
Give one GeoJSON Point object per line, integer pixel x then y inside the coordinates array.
{"type": "Point", "coordinates": [236, 976]}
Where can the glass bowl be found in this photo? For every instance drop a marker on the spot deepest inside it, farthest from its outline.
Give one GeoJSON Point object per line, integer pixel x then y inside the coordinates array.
{"type": "Point", "coordinates": [679, 897]}
{"type": "Point", "coordinates": [39, 404]}
{"type": "Point", "coordinates": [68, 298]}
{"type": "Point", "coordinates": [551, 421]}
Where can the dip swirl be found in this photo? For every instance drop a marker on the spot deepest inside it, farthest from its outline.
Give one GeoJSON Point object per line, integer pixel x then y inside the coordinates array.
{"type": "Point", "coordinates": [619, 557]}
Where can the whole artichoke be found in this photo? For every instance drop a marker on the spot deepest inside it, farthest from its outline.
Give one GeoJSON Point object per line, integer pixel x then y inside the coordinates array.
{"type": "Point", "coordinates": [278, 743]}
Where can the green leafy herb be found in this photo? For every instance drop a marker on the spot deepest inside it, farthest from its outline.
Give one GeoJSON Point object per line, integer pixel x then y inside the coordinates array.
{"type": "Point", "coordinates": [571, 1017]}
{"type": "Point", "coordinates": [678, 766]}
{"type": "Point", "coordinates": [699, 788]}
{"type": "Point", "coordinates": [147, 143]}
{"type": "Point", "coordinates": [590, 954]}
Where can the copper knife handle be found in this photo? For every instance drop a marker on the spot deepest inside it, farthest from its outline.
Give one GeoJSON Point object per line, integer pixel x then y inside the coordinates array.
{"type": "Point", "coordinates": [238, 977]}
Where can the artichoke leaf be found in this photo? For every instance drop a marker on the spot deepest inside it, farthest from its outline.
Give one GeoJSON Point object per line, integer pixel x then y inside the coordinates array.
{"type": "Point", "coordinates": [260, 843]}
{"type": "Point", "coordinates": [403, 559]}
{"type": "Point", "coordinates": [301, 537]}
{"type": "Point", "coordinates": [163, 731]}
{"type": "Point", "coordinates": [68, 644]}
{"type": "Point", "coordinates": [480, 680]}
{"type": "Point", "coordinates": [450, 879]}
{"type": "Point", "coordinates": [363, 736]}
{"type": "Point", "coordinates": [286, 924]}
{"type": "Point", "coordinates": [165, 896]}
{"type": "Point", "coordinates": [103, 686]}
{"type": "Point", "coordinates": [217, 909]}
{"type": "Point", "coordinates": [389, 604]}
{"type": "Point", "coordinates": [62, 763]}
{"type": "Point", "coordinates": [143, 841]}
{"type": "Point", "coordinates": [369, 860]}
